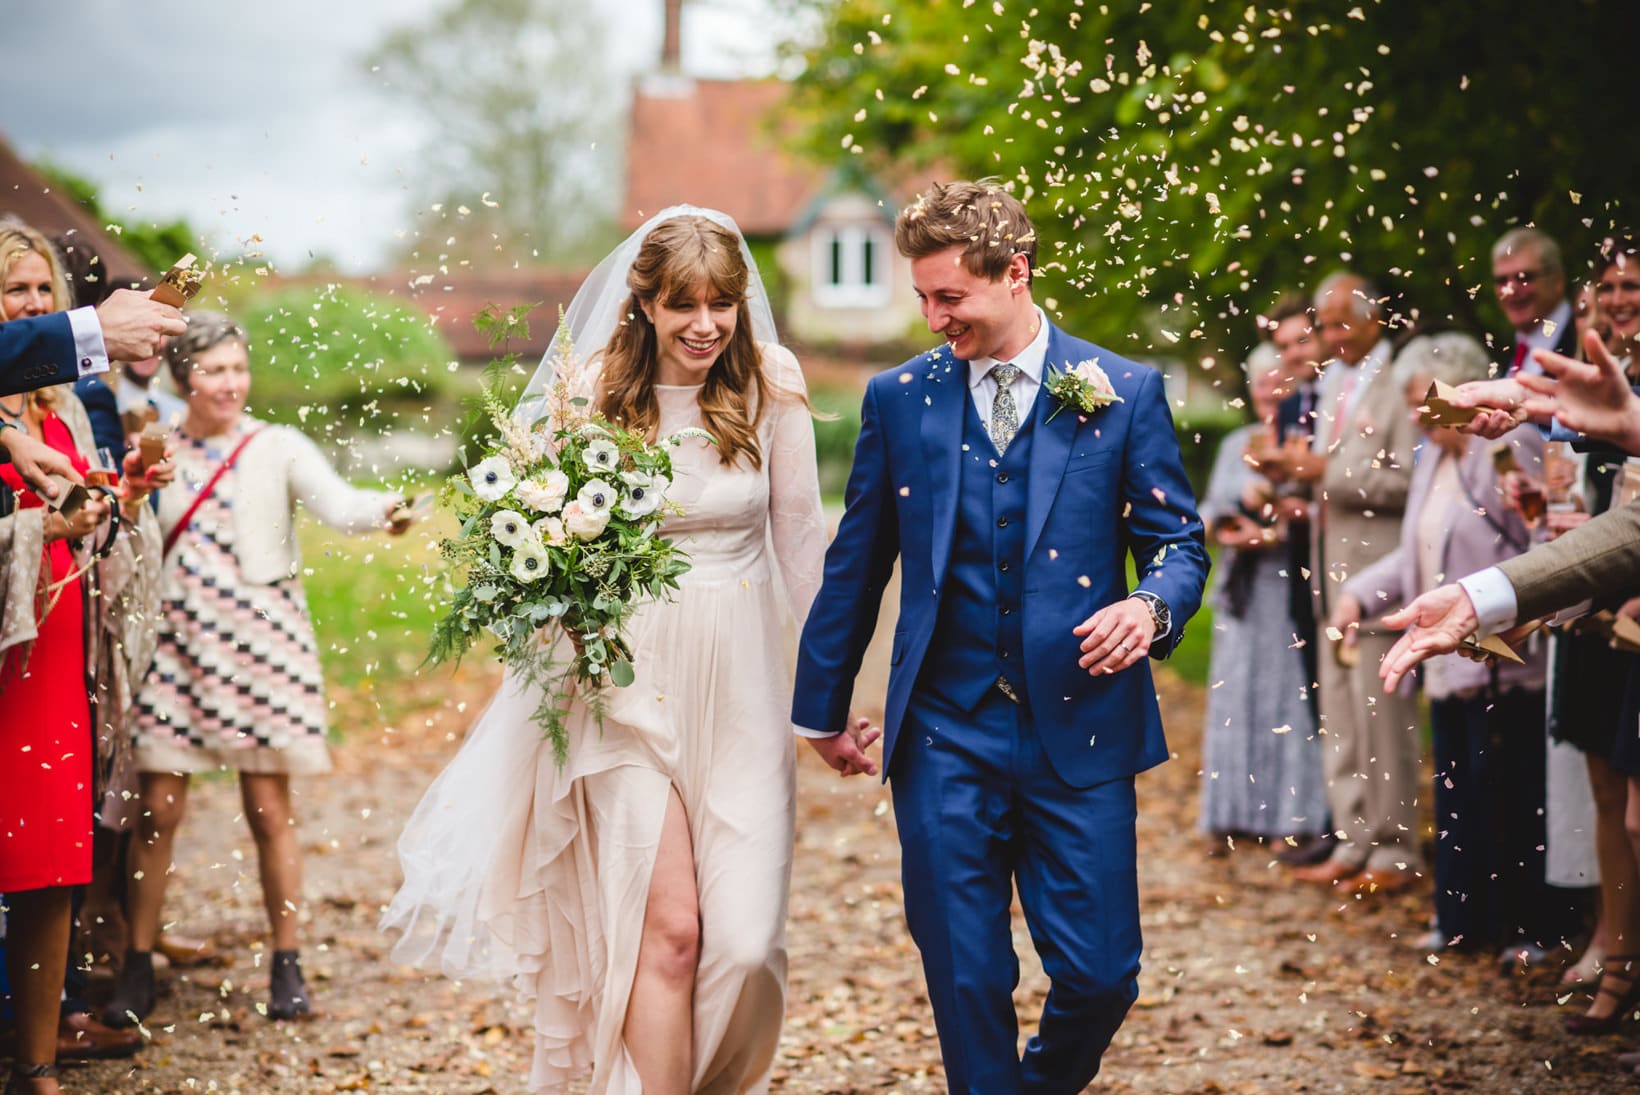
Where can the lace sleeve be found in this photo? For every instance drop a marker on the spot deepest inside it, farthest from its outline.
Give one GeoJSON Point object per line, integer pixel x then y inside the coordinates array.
{"type": "Point", "coordinates": [796, 520]}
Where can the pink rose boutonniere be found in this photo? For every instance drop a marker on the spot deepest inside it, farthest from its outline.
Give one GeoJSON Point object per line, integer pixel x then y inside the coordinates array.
{"type": "Point", "coordinates": [1083, 386]}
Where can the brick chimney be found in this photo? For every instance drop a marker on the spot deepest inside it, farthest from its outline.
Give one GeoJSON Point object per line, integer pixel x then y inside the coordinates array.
{"type": "Point", "coordinates": [671, 37]}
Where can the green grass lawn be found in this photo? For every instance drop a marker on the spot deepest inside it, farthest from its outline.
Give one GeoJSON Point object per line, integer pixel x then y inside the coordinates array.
{"type": "Point", "coordinates": [374, 601]}
{"type": "Point", "coordinates": [373, 605]}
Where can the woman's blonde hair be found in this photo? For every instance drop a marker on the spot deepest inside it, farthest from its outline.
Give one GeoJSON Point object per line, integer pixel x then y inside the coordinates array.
{"type": "Point", "coordinates": [16, 240]}
{"type": "Point", "coordinates": [673, 262]}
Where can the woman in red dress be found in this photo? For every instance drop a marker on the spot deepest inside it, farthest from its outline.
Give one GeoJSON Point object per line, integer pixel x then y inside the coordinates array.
{"type": "Point", "coordinates": [71, 631]}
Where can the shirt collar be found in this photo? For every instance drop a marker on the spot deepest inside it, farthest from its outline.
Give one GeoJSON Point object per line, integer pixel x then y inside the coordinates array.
{"type": "Point", "coordinates": [1029, 361]}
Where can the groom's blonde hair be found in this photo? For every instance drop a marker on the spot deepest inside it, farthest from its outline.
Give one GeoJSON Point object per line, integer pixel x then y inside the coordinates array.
{"type": "Point", "coordinates": [982, 218]}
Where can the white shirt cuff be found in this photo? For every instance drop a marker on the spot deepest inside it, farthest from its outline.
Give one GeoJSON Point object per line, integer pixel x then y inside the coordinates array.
{"type": "Point", "coordinates": [89, 350]}
{"type": "Point", "coordinates": [805, 732]}
{"type": "Point", "coordinates": [1494, 600]}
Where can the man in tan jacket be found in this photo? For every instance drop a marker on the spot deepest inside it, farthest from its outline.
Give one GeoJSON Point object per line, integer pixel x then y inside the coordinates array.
{"type": "Point", "coordinates": [1362, 466]}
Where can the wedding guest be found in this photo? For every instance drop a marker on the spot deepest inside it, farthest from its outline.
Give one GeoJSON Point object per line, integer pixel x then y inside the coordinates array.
{"type": "Point", "coordinates": [1261, 761]}
{"type": "Point", "coordinates": [1363, 458]}
{"type": "Point", "coordinates": [1489, 776]}
{"type": "Point", "coordinates": [75, 627]}
{"type": "Point", "coordinates": [235, 683]}
{"type": "Point", "coordinates": [1530, 282]}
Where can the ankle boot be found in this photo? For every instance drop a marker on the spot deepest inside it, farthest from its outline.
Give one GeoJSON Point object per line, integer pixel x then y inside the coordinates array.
{"type": "Point", "coordinates": [287, 995]}
{"type": "Point", "coordinates": [134, 994]}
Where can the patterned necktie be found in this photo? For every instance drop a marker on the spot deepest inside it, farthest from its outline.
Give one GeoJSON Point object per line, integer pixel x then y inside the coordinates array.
{"type": "Point", "coordinates": [1004, 415]}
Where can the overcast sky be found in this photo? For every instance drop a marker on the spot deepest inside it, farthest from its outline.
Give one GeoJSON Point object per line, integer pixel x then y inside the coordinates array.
{"type": "Point", "coordinates": [256, 119]}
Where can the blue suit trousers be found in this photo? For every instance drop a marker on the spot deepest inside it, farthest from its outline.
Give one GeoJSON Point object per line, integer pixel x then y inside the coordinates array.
{"type": "Point", "coordinates": [980, 810]}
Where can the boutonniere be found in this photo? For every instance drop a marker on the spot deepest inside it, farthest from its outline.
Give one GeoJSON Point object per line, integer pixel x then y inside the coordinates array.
{"type": "Point", "coordinates": [1083, 386]}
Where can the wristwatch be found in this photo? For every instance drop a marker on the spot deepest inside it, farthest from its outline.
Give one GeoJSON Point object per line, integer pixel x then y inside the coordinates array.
{"type": "Point", "coordinates": [1160, 614]}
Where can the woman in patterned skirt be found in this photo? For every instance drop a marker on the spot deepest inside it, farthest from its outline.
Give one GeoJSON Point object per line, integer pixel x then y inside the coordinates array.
{"type": "Point", "coordinates": [235, 684]}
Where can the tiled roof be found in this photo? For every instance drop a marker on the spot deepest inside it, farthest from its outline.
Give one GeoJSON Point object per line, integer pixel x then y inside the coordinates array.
{"type": "Point", "coordinates": [26, 195]}
{"type": "Point", "coordinates": [714, 143]}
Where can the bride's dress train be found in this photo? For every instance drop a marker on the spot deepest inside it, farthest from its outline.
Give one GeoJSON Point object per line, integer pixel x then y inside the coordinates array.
{"type": "Point", "coordinates": [518, 871]}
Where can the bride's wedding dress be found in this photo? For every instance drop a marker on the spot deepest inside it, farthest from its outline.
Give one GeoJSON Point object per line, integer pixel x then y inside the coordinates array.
{"type": "Point", "coordinates": [518, 871]}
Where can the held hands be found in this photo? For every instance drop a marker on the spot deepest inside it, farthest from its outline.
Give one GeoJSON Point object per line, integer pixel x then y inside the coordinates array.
{"type": "Point", "coordinates": [845, 753]}
{"type": "Point", "coordinates": [1436, 623]}
{"type": "Point", "coordinates": [1115, 637]}
{"type": "Point", "coordinates": [37, 462]}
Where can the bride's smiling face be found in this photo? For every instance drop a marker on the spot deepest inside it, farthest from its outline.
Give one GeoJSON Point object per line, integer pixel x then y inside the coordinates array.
{"type": "Point", "coordinates": [691, 332]}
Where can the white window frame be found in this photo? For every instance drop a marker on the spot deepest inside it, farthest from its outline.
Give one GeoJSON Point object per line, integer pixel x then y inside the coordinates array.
{"type": "Point", "coordinates": [852, 291]}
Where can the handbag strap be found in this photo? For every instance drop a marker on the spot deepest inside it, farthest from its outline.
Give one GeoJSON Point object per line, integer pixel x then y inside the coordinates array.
{"type": "Point", "coordinates": [205, 492]}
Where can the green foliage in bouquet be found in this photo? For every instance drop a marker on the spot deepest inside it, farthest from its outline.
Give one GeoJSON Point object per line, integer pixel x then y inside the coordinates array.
{"type": "Point", "coordinates": [559, 538]}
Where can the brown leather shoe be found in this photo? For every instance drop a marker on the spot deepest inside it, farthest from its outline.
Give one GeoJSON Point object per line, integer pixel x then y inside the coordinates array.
{"type": "Point", "coordinates": [1389, 880]}
{"type": "Point", "coordinates": [1331, 872]}
{"type": "Point", "coordinates": [183, 952]}
{"type": "Point", "coordinates": [80, 1037]}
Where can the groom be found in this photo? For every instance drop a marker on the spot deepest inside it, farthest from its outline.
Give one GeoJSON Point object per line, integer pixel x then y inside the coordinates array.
{"type": "Point", "coordinates": [1019, 702]}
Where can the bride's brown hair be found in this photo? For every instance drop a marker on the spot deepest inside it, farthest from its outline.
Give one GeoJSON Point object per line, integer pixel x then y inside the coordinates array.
{"type": "Point", "coordinates": [675, 259]}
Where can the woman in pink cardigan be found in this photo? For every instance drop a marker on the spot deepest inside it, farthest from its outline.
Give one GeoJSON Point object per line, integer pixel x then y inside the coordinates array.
{"type": "Point", "coordinates": [1488, 719]}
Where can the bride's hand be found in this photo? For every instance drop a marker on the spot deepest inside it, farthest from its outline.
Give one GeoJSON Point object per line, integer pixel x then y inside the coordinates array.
{"type": "Point", "coordinates": [845, 753]}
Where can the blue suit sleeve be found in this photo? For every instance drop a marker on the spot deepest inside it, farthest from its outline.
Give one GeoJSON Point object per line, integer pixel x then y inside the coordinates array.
{"type": "Point", "coordinates": [859, 564]}
{"type": "Point", "coordinates": [36, 353]}
{"type": "Point", "coordinates": [1162, 529]}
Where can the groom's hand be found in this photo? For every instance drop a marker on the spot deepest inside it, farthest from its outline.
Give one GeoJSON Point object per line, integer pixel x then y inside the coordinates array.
{"type": "Point", "coordinates": [1116, 636]}
{"type": "Point", "coordinates": [845, 753]}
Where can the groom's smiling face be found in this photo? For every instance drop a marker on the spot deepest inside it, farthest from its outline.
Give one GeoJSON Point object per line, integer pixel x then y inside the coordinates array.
{"type": "Point", "coordinates": [979, 317]}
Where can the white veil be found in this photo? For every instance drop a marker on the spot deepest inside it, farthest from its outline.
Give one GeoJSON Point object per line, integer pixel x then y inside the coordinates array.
{"type": "Point", "coordinates": [593, 315]}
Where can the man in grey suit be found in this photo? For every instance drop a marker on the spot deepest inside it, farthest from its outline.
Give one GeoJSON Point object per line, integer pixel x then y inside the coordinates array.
{"type": "Point", "coordinates": [1364, 442]}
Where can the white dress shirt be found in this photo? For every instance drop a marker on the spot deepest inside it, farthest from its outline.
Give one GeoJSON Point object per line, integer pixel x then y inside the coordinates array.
{"type": "Point", "coordinates": [89, 348]}
{"type": "Point", "coordinates": [1030, 362]}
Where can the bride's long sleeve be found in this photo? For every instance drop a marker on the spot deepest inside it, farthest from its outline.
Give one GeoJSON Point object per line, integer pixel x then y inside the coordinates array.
{"type": "Point", "coordinates": [796, 520]}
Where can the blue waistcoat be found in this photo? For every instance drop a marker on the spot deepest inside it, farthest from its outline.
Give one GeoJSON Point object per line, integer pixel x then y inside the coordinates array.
{"type": "Point", "coordinates": [980, 636]}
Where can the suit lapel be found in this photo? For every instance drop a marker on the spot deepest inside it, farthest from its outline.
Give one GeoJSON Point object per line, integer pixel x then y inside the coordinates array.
{"type": "Point", "coordinates": [1050, 447]}
{"type": "Point", "coordinates": [945, 391]}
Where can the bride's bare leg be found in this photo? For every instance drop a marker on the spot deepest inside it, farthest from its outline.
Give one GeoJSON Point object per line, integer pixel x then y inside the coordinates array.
{"type": "Point", "coordinates": [659, 1031]}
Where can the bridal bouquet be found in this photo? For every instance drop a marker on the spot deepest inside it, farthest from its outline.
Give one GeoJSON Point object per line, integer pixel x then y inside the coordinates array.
{"type": "Point", "coordinates": [559, 530]}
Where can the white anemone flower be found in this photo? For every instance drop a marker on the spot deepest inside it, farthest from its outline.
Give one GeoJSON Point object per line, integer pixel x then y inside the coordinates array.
{"type": "Point", "coordinates": [601, 455]}
{"type": "Point", "coordinates": [492, 478]}
{"type": "Point", "coordinates": [509, 527]}
{"type": "Point", "coordinates": [545, 493]}
{"type": "Point", "coordinates": [644, 494]}
{"type": "Point", "coordinates": [530, 562]}
{"type": "Point", "coordinates": [596, 494]}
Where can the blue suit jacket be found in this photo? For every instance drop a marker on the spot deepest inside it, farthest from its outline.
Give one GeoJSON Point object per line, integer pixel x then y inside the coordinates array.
{"type": "Point", "coordinates": [37, 353]}
{"type": "Point", "coordinates": [1100, 487]}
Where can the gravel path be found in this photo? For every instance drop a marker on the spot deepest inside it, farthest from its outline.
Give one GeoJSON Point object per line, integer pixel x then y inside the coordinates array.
{"type": "Point", "coordinates": [1252, 982]}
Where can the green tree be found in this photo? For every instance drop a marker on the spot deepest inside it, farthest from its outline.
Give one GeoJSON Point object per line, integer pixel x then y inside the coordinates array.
{"type": "Point", "coordinates": [1185, 163]}
{"type": "Point", "coordinates": [157, 245]}
{"type": "Point", "coordinates": [340, 360]}
{"type": "Point", "coordinates": [522, 109]}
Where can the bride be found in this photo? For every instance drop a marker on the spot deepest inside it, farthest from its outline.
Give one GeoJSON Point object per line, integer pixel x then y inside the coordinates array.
{"type": "Point", "coordinates": [639, 894]}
